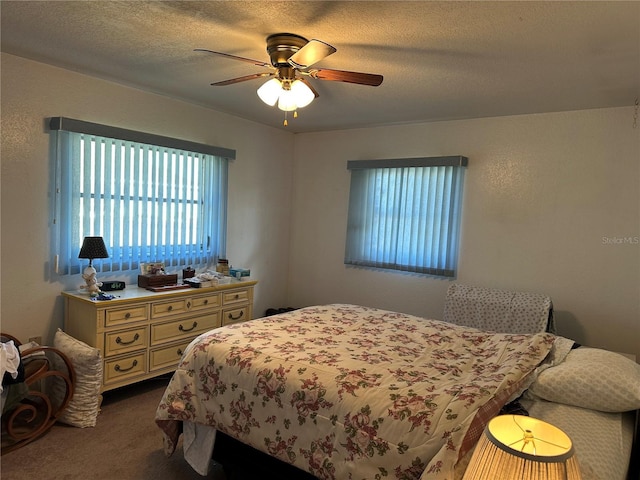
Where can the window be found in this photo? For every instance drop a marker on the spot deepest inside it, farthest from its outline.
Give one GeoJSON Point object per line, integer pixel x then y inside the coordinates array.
{"type": "Point", "coordinates": [405, 214]}
{"type": "Point", "coordinates": [152, 198]}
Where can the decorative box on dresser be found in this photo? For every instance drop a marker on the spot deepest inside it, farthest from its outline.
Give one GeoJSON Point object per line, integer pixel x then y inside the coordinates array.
{"type": "Point", "coordinates": [142, 334]}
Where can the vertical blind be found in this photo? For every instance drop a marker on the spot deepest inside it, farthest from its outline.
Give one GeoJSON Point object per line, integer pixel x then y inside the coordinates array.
{"type": "Point", "coordinates": [150, 203]}
{"type": "Point", "coordinates": [404, 214]}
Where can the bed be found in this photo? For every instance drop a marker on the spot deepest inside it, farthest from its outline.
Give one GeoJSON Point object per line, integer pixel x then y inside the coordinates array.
{"type": "Point", "coordinates": [593, 395]}
{"type": "Point", "coordinates": [350, 392]}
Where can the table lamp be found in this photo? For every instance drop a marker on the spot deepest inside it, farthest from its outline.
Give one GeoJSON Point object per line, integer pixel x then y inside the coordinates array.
{"type": "Point", "coordinates": [92, 247]}
{"type": "Point", "coordinates": [517, 447]}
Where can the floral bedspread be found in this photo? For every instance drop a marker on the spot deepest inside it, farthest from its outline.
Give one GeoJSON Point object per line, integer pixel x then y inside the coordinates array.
{"type": "Point", "coordinates": [350, 392]}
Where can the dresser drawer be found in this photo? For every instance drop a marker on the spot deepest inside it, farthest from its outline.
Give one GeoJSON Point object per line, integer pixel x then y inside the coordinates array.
{"type": "Point", "coordinates": [235, 315]}
{"type": "Point", "coordinates": [166, 357]}
{"type": "Point", "coordinates": [237, 296]}
{"type": "Point", "coordinates": [123, 341]}
{"type": "Point", "coordinates": [126, 315]}
{"type": "Point", "coordinates": [203, 302]}
{"type": "Point", "coordinates": [173, 307]}
{"type": "Point", "coordinates": [185, 328]}
{"type": "Point", "coordinates": [122, 368]}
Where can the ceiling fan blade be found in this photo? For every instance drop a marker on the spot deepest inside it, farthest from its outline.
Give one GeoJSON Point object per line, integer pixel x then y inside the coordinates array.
{"type": "Point", "coordinates": [241, 79]}
{"type": "Point", "coordinates": [312, 52]}
{"type": "Point", "coordinates": [234, 57]}
{"type": "Point", "coordinates": [349, 77]}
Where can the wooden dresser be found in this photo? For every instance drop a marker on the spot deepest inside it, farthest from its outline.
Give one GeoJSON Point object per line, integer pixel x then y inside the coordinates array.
{"type": "Point", "coordinates": [142, 334]}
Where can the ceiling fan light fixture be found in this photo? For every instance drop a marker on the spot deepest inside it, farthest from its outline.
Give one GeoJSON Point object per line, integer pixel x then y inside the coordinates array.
{"type": "Point", "coordinates": [302, 93]}
{"type": "Point", "coordinates": [287, 101]}
{"type": "Point", "coordinates": [288, 95]}
{"type": "Point", "coordinates": [270, 92]}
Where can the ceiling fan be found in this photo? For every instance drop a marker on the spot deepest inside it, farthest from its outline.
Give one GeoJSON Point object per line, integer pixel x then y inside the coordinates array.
{"type": "Point", "coordinates": [291, 65]}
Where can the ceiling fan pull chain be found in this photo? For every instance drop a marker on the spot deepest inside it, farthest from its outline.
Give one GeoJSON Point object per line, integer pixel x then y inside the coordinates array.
{"type": "Point", "coordinates": [285, 123]}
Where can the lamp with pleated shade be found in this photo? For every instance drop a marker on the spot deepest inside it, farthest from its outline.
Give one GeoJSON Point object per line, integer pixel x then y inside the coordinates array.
{"type": "Point", "coordinates": [92, 247]}
{"type": "Point", "coordinates": [517, 447]}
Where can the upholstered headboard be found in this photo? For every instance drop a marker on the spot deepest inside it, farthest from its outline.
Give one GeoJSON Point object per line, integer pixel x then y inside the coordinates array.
{"type": "Point", "coordinates": [498, 310]}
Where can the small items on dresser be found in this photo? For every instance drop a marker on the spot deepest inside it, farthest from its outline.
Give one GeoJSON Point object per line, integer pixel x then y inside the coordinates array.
{"type": "Point", "coordinates": [223, 266]}
{"type": "Point", "coordinates": [153, 277]}
{"type": "Point", "coordinates": [240, 273]}
{"type": "Point", "coordinates": [188, 273]}
{"type": "Point", "coordinates": [157, 280]}
{"type": "Point", "coordinates": [207, 279]}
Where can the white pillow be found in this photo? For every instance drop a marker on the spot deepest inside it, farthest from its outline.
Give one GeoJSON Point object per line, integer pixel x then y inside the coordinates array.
{"type": "Point", "coordinates": [84, 406]}
{"type": "Point", "coordinates": [592, 378]}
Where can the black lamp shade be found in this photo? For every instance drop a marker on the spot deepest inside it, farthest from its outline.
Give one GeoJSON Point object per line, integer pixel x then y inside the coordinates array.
{"type": "Point", "coordinates": [93, 247]}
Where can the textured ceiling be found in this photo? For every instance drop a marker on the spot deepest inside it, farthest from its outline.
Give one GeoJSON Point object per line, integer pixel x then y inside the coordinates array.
{"type": "Point", "coordinates": [440, 60]}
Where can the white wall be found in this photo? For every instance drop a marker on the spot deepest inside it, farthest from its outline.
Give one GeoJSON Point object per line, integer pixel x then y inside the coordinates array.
{"type": "Point", "coordinates": [541, 194]}
{"type": "Point", "coordinates": [259, 181]}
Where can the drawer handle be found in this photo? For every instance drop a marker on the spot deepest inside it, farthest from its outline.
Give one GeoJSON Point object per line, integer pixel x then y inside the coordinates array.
{"type": "Point", "coordinates": [237, 296]}
{"type": "Point", "coordinates": [188, 304]}
{"type": "Point", "coordinates": [182, 329]}
{"type": "Point", "coordinates": [231, 317]}
{"type": "Point", "coordinates": [127, 315]}
{"type": "Point", "coordinates": [117, 368]}
{"type": "Point", "coordinates": [170, 308]}
{"type": "Point", "coordinates": [206, 302]}
{"type": "Point", "coordinates": [122, 342]}
{"type": "Point", "coordinates": [179, 352]}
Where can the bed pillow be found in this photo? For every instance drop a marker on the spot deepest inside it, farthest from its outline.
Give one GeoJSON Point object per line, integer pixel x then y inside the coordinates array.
{"type": "Point", "coordinates": [592, 378]}
{"type": "Point", "coordinates": [84, 406]}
